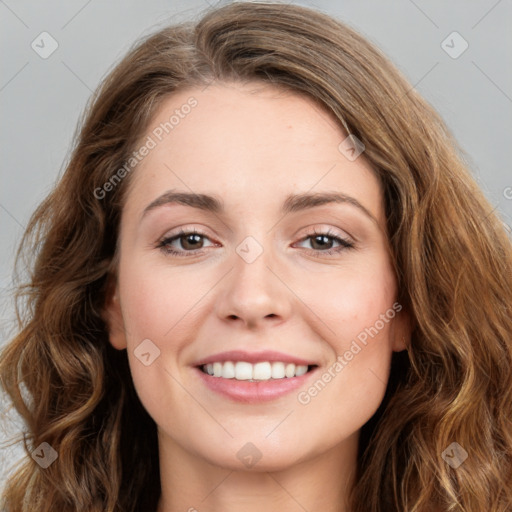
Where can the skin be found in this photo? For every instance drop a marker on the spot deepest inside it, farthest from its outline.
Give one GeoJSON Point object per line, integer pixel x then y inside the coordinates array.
{"type": "Point", "coordinates": [252, 145]}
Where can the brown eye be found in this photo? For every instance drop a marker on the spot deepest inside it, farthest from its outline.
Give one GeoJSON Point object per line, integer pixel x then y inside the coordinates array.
{"type": "Point", "coordinates": [184, 243]}
{"type": "Point", "coordinates": [323, 243]}
{"type": "Point", "coordinates": [190, 241]}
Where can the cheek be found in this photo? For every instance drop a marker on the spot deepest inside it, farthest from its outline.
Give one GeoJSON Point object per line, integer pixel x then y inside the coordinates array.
{"type": "Point", "coordinates": [158, 301]}
{"type": "Point", "coordinates": [159, 304]}
{"type": "Point", "coordinates": [355, 310]}
{"type": "Point", "coordinates": [349, 300]}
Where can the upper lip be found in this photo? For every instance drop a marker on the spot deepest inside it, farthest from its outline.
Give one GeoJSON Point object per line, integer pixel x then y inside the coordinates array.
{"type": "Point", "coordinates": [253, 357]}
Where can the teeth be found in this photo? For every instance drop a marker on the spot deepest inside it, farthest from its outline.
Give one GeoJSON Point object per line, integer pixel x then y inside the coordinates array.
{"type": "Point", "coordinates": [228, 370]}
{"type": "Point", "coordinates": [217, 369]}
{"type": "Point", "coordinates": [300, 370]}
{"type": "Point", "coordinates": [289, 371]}
{"type": "Point", "coordinates": [242, 370]}
{"type": "Point", "coordinates": [277, 370]}
{"type": "Point", "coordinates": [261, 371]}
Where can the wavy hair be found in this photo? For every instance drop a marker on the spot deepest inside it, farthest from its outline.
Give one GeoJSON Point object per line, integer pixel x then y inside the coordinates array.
{"type": "Point", "coordinates": [452, 257]}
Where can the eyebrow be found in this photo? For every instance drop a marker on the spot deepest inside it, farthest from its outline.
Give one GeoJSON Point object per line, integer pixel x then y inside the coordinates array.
{"type": "Point", "coordinates": [293, 203]}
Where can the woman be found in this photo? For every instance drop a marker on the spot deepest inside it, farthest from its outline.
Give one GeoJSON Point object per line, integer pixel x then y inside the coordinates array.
{"type": "Point", "coordinates": [339, 336]}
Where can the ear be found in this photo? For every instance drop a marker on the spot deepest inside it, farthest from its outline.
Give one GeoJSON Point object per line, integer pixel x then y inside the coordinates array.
{"type": "Point", "coordinates": [402, 330]}
{"type": "Point", "coordinates": [112, 315]}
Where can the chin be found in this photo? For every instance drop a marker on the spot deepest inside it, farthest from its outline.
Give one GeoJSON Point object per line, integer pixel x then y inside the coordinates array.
{"type": "Point", "coordinates": [254, 456]}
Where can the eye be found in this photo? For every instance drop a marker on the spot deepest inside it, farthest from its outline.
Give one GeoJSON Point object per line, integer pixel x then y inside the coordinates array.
{"type": "Point", "coordinates": [324, 245]}
{"type": "Point", "coordinates": [190, 242]}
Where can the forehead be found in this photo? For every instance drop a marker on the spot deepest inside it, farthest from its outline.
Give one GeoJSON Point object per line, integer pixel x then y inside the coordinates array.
{"type": "Point", "coordinates": [251, 144]}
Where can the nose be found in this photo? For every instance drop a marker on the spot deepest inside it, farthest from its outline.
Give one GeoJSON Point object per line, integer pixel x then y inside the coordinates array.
{"type": "Point", "coordinates": [253, 293]}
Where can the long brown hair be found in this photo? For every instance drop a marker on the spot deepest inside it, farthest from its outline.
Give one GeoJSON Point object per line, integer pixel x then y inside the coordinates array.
{"type": "Point", "coordinates": [452, 257]}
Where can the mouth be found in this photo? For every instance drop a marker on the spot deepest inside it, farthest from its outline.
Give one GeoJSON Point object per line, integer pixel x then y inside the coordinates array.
{"type": "Point", "coordinates": [252, 378]}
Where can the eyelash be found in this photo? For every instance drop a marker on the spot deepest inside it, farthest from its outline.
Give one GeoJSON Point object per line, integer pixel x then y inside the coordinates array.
{"type": "Point", "coordinates": [163, 244]}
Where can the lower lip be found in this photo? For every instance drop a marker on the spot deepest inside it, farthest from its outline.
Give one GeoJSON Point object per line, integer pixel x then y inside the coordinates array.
{"type": "Point", "coordinates": [254, 392]}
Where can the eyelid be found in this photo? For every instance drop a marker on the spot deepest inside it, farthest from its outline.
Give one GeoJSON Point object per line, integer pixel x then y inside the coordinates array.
{"type": "Point", "coordinates": [186, 229]}
{"type": "Point", "coordinates": [322, 229]}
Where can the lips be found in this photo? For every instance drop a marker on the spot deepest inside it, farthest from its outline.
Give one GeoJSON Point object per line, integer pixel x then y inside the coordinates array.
{"type": "Point", "coordinates": [287, 373]}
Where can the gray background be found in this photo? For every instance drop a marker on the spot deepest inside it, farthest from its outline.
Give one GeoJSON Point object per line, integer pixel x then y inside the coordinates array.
{"type": "Point", "coordinates": [41, 99]}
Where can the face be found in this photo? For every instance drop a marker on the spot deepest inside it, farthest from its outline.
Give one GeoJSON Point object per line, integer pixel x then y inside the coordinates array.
{"type": "Point", "coordinates": [258, 283]}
